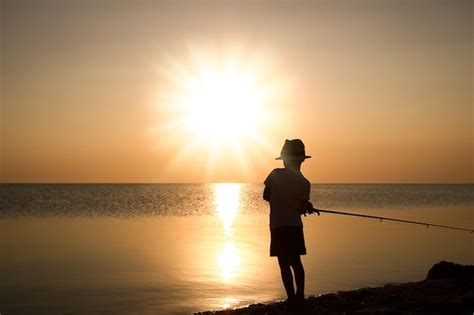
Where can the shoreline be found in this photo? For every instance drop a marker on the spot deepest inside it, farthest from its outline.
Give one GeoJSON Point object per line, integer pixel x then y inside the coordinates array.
{"type": "Point", "coordinates": [448, 289]}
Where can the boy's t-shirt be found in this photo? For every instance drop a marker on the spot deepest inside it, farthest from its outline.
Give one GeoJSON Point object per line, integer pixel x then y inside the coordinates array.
{"type": "Point", "coordinates": [288, 189]}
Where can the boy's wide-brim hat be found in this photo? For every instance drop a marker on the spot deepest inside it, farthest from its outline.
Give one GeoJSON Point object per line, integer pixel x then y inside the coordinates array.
{"type": "Point", "coordinates": [293, 150]}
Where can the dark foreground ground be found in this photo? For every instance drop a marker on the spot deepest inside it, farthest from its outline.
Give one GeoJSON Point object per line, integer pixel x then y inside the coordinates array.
{"type": "Point", "coordinates": [448, 289]}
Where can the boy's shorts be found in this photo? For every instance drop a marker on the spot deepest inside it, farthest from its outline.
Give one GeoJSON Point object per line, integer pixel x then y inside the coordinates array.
{"type": "Point", "coordinates": [287, 241]}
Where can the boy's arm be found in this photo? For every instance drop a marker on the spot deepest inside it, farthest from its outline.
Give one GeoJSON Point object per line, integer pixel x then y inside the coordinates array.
{"type": "Point", "coordinates": [306, 206]}
{"type": "Point", "coordinates": [267, 193]}
{"type": "Point", "coordinates": [268, 183]}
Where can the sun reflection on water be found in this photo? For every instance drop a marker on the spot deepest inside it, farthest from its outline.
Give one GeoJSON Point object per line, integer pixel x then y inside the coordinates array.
{"type": "Point", "coordinates": [229, 302]}
{"type": "Point", "coordinates": [228, 261]}
{"type": "Point", "coordinates": [227, 200]}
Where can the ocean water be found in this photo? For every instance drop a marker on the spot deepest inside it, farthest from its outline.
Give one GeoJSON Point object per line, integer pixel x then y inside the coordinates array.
{"type": "Point", "coordinates": [183, 248]}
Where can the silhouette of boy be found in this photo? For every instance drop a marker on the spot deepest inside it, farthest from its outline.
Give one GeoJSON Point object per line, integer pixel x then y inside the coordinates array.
{"type": "Point", "coordinates": [287, 191]}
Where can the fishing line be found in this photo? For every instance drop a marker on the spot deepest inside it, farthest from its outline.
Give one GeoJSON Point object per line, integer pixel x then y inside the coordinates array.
{"type": "Point", "coordinates": [389, 219]}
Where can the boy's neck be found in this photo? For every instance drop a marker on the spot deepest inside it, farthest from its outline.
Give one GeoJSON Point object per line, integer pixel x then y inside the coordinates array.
{"type": "Point", "coordinates": [293, 165]}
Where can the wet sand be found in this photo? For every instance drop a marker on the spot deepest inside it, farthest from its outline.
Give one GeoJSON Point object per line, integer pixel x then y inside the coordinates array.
{"type": "Point", "coordinates": [446, 291]}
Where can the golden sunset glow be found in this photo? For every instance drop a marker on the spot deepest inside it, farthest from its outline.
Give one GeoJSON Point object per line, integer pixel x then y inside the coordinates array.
{"type": "Point", "coordinates": [227, 204]}
{"type": "Point", "coordinates": [227, 201]}
{"type": "Point", "coordinates": [228, 261]}
{"type": "Point", "coordinates": [199, 91]}
{"type": "Point", "coordinates": [218, 103]}
{"type": "Point", "coordinates": [229, 302]}
{"type": "Point", "coordinates": [222, 105]}
{"type": "Point", "coordinates": [151, 155]}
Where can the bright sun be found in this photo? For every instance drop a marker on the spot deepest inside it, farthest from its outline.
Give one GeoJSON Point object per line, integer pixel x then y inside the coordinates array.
{"type": "Point", "coordinates": [224, 107]}
{"type": "Point", "coordinates": [217, 103]}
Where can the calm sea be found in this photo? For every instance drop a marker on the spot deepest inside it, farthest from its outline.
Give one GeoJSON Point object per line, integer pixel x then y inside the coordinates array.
{"type": "Point", "coordinates": [179, 248]}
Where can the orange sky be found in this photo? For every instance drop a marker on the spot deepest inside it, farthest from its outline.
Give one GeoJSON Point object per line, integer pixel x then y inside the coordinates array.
{"type": "Point", "coordinates": [380, 91]}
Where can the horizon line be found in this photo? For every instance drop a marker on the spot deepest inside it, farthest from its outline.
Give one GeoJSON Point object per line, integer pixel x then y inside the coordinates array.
{"type": "Point", "coordinates": [230, 182]}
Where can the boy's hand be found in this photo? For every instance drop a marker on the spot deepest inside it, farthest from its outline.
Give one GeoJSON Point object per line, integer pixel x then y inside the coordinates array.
{"type": "Point", "coordinates": [306, 207]}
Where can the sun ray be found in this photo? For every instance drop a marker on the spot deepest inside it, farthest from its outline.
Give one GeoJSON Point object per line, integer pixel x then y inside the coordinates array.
{"type": "Point", "coordinates": [217, 104]}
{"type": "Point", "coordinates": [213, 153]}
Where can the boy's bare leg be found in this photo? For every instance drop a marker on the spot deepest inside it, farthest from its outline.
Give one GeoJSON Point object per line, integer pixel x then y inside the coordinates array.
{"type": "Point", "coordinates": [299, 275]}
{"type": "Point", "coordinates": [286, 275]}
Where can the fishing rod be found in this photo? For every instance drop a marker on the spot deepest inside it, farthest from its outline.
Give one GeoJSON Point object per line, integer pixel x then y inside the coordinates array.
{"type": "Point", "coordinates": [318, 211]}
